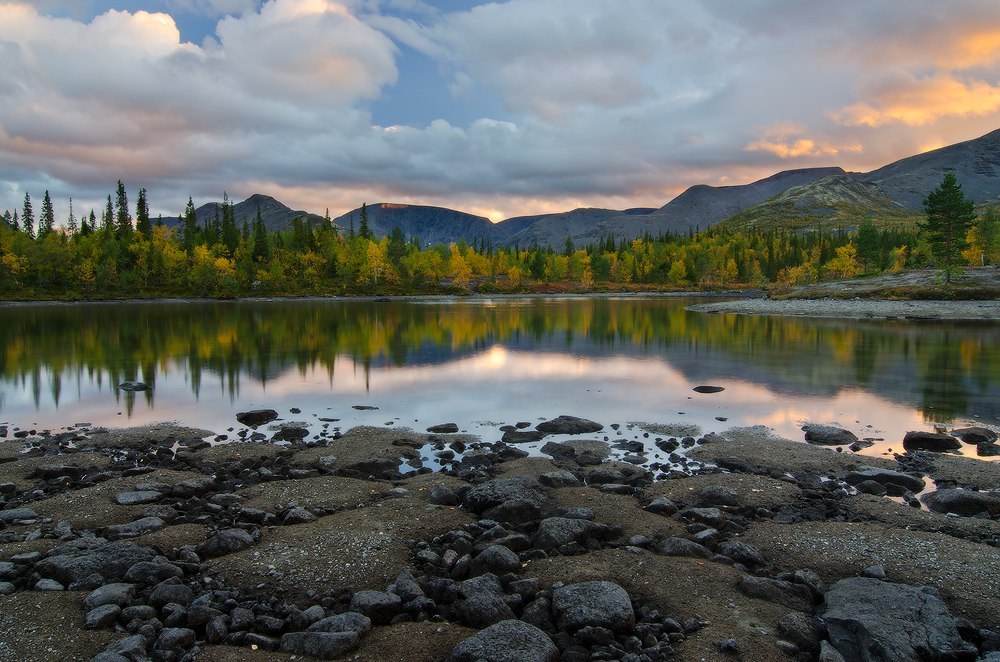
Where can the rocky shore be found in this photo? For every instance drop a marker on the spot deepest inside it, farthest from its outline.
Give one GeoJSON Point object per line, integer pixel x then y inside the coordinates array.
{"type": "Point", "coordinates": [155, 544]}
{"type": "Point", "coordinates": [858, 308]}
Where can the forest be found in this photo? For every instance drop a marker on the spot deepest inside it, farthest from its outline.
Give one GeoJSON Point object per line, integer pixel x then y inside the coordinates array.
{"type": "Point", "coordinates": [121, 254]}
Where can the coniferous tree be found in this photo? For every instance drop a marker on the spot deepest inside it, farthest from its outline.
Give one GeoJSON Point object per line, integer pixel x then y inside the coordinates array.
{"type": "Point", "coordinates": [868, 244]}
{"type": "Point", "coordinates": [949, 215]}
{"type": "Point", "coordinates": [47, 219]}
{"type": "Point", "coordinates": [261, 250]}
{"type": "Point", "coordinates": [142, 222]}
{"type": "Point", "coordinates": [6, 218]}
{"type": "Point", "coordinates": [15, 223]}
{"type": "Point", "coordinates": [28, 217]}
{"type": "Point", "coordinates": [123, 220]}
{"type": "Point", "coordinates": [363, 231]}
{"type": "Point", "coordinates": [71, 226]}
{"type": "Point", "coordinates": [108, 218]}
{"type": "Point", "coordinates": [230, 233]}
{"type": "Point", "coordinates": [190, 228]}
{"type": "Point", "coordinates": [986, 236]}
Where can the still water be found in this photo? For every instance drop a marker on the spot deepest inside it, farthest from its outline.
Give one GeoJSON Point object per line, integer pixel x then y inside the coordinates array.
{"type": "Point", "coordinates": [486, 363]}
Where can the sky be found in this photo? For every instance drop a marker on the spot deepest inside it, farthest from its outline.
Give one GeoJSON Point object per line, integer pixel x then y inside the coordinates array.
{"type": "Point", "coordinates": [498, 109]}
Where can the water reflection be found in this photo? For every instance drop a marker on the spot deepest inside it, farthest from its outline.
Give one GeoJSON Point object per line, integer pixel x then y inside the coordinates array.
{"type": "Point", "coordinates": [628, 358]}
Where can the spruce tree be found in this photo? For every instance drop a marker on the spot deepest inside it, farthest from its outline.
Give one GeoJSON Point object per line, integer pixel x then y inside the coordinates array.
{"type": "Point", "coordinates": [123, 220]}
{"type": "Point", "coordinates": [15, 223]}
{"type": "Point", "coordinates": [261, 250]}
{"type": "Point", "coordinates": [190, 228]}
{"type": "Point", "coordinates": [47, 219]}
{"type": "Point", "coordinates": [363, 231]}
{"type": "Point", "coordinates": [986, 235]}
{"type": "Point", "coordinates": [949, 215]}
{"type": "Point", "coordinates": [142, 222]}
{"type": "Point", "coordinates": [230, 233]}
{"type": "Point", "coordinates": [108, 218]}
{"type": "Point", "coordinates": [868, 245]}
{"type": "Point", "coordinates": [71, 226]}
{"type": "Point", "coordinates": [28, 217]}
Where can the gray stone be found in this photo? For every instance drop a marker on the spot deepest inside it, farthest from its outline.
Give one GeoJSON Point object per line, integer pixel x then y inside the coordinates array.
{"type": "Point", "coordinates": [930, 441]}
{"type": "Point", "coordinates": [962, 502]}
{"type": "Point", "coordinates": [596, 604]}
{"type": "Point", "coordinates": [321, 645]}
{"type": "Point", "coordinates": [134, 528]}
{"type": "Point", "coordinates": [193, 487]}
{"type": "Point", "coordinates": [802, 630]}
{"type": "Point", "coordinates": [174, 638]}
{"type": "Point", "coordinates": [443, 428]}
{"type": "Point", "coordinates": [298, 516]}
{"type": "Point", "coordinates": [151, 572]}
{"type": "Point", "coordinates": [569, 425]}
{"type": "Point", "coordinates": [442, 495]}
{"type": "Point", "coordinates": [560, 478]}
{"type": "Point", "coordinates": [674, 546]}
{"type": "Point", "coordinates": [350, 621]}
{"type": "Point", "coordinates": [495, 492]}
{"type": "Point", "coordinates": [225, 542]}
{"type": "Point", "coordinates": [885, 477]}
{"type": "Point", "coordinates": [496, 559]}
{"type": "Point", "coordinates": [137, 498]}
{"type": "Point", "coordinates": [828, 435]}
{"type": "Point", "coordinates": [507, 641]}
{"type": "Point", "coordinates": [483, 609]}
{"type": "Point", "coordinates": [166, 593]}
{"type": "Point", "coordinates": [101, 617]}
{"type": "Point", "coordinates": [110, 594]}
{"type": "Point", "coordinates": [793, 596]}
{"type": "Point", "coordinates": [717, 495]}
{"type": "Point", "coordinates": [743, 553]}
{"type": "Point", "coordinates": [379, 606]}
{"type": "Point", "coordinates": [554, 532]}
{"type": "Point", "coordinates": [134, 386]}
{"type": "Point", "coordinates": [18, 515]}
{"type": "Point", "coordinates": [917, 627]}
{"type": "Point", "coordinates": [662, 506]}
{"type": "Point", "coordinates": [133, 648]}
{"type": "Point", "coordinates": [975, 435]}
{"type": "Point", "coordinates": [48, 585]}
{"type": "Point", "coordinates": [256, 417]}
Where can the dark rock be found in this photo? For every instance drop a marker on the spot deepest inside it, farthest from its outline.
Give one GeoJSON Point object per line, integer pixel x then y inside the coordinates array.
{"type": "Point", "coordinates": [379, 467]}
{"type": "Point", "coordinates": [708, 389]}
{"type": "Point", "coordinates": [256, 417]}
{"type": "Point", "coordinates": [987, 450]}
{"type": "Point", "coordinates": [379, 606]}
{"type": "Point", "coordinates": [569, 425]}
{"type": "Point", "coordinates": [743, 553]}
{"type": "Point", "coordinates": [885, 477]}
{"type": "Point", "coordinates": [350, 621]}
{"type": "Point", "coordinates": [483, 609]}
{"type": "Point", "coordinates": [137, 498]}
{"type": "Point", "coordinates": [605, 475]}
{"type": "Point", "coordinates": [717, 495]}
{"type": "Point", "coordinates": [321, 645]}
{"type": "Point", "coordinates": [681, 547]}
{"type": "Point", "coordinates": [507, 641]}
{"type": "Point", "coordinates": [930, 441]}
{"type": "Point", "coordinates": [298, 516]}
{"type": "Point", "coordinates": [497, 491]}
{"type": "Point", "coordinates": [793, 596]}
{"type": "Point", "coordinates": [290, 433]}
{"type": "Point", "coordinates": [48, 585]}
{"type": "Point", "coordinates": [917, 627]}
{"type": "Point", "coordinates": [134, 386]}
{"type": "Point", "coordinates": [135, 528]}
{"type": "Point", "coordinates": [975, 436]}
{"type": "Point", "coordinates": [151, 572]}
{"type": "Point", "coordinates": [443, 428]}
{"type": "Point", "coordinates": [225, 542]}
{"type": "Point", "coordinates": [101, 617]}
{"type": "Point", "coordinates": [110, 594]}
{"type": "Point", "coordinates": [109, 561]}
{"type": "Point", "coordinates": [216, 630]}
{"type": "Point", "coordinates": [560, 478]}
{"type": "Point", "coordinates": [407, 588]}
{"type": "Point", "coordinates": [166, 593]}
{"type": "Point", "coordinates": [50, 471]}
{"type": "Point", "coordinates": [193, 487]}
{"type": "Point", "coordinates": [598, 604]}
{"type": "Point", "coordinates": [240, 619]}
{"type": "Point", "coordinates": [496, 559]}
{"type": "Point", "coordinates": [802, 630]}
{"type": "Point", "coordinates": [828, 435]}
{"type": "Point", "coordinates": [515, 511]}
{"type": "Point", "coordinates": [442, 495]}
{"type": "Point", "coordinates": [709, 516]}
{"type": "Point", "coordinates": [554, 532]}
{"type": "Point", "coordinates": [18, 516]}
{"type": "Point", "coordinates": [132, 648]}
{"type": "Point", "coordinates": [521, 436]}
{"type": "Point", "coordinates": [963, 502]}
{"type": "Point", "coordinates": [662, 506]}
{"type": "Point", "coordinates": [174, 638]}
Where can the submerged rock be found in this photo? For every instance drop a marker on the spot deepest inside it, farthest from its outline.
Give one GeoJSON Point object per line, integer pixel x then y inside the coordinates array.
{"type": "Point", "coordinates": [569, 425]}
{"type": "Point", "coordinates": [828, 435]}
{"type": "Point", "coordinates": [134, 386]}
{"type": "Point", "coordinates": [256, 417]}
{"type": "Point", "coordinates": [930, 441]}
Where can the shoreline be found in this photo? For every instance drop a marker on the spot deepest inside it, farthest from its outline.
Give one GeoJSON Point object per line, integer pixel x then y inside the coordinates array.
{"type": "Point", "coordinates": [858, 309]}
{"type": "Point", "coordinates": [241, 550]}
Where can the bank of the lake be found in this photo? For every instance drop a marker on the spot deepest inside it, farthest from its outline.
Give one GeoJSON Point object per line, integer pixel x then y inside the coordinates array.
{"type": "Point", "coordinates": [858, 309]}
{"type": "Point", "coordinates": [151, 542]}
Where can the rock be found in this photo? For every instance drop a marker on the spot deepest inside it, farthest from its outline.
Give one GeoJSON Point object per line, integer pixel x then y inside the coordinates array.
{"type": "Point", "coordinates": [48, 585]}
{"type": "Point", "coordinates": [298, 516]}
{"type": "Point", "coordinates": [962, 502]}
{"type": "Point", "coordinates": [18, 516]}
{"type": "Point", "coordinates": [802, 630]}
{"type": "Point", "coordinates": [174, 638]}
{"type": "Point", "coordinates": [166, 593]}
{"type": "Point", "coordinates": [484, 609]}
{"type": "Point", "coordinates": [717, 495]}
{"type": "Point", "coordinates": [569, 425]}
{"type": "Point", "coordinates": [290, 433]}
{"type": "Point", "coordinates": [256, 417]}
{"type": "Point", "coordinates": [135, 528]}
{"type": "Point", "coordinates": [554, 532]}
{"type": "Point", "coordinates": [109, 561]}
{"type": "Point", "coordinates": [930, 441]}
{"type": "Point", "coordinates": [117, 594]}
{"type": "Point", "coordinates": [710, 516]}
{"type": "Point", "coordinates": [134, 386]}
{"type": "Point", "coordinates": [793, 596]}
{"type": "Point", "coordinates": [521, 436]}
{"type": "Point", "coordinates": [406, 587]}
{"type": "Point", "coordinates": [560, 478]}
{"type": "Point", "coordinates": [443, 428]}
{"type": "Point", "coordinates": [597, 604]}
{"type": "Point", "coordinates": [350, 621]}
{"type": "Point", "coordinates": [132, 648]}
{"type": "Point", "coordinates": [137, 498]}
{"type": "Point", "coordinates": [708, 389]}
{"type": "Point", "coordinates": [151, 572]}
{"type": "Point", "coordinates": [193, 487]}
{"type": "Point", "coordinates": [828, 435]}
{"type": "Point", "coordinates": [917, 627]}
{"type": "Point", "coordinates": [827, 653]}
{"type": "Point", "coordinates": [225, 542]}
{"type": "Point", "coordinates": [975, 436]}
{"type": "Point", "coordinates": [515, 511]}
{"type": "Point", "coordinates": [496, 559]}
{"type": "Point", "coordinates": [442, 495]}
{"type": "Point", "coordinates": [497, 491]}
{"type": "Point", "coordinates": [101, 617]}
{"type": "Point", "coordinates": [507, 641]}
{"type": "Point", "coordinates": [50, 471]}
{"type": "Point", "coordinates": [321, 645]}
{"type": "Point", "coordinates": [681, 547]}
{"type": "Point", "coordinates": [885, 477]}
{"type": "Point", "coordinates": [662, 506]}
{"type": "Point", "coordinates": [379, 606]}
{"type": "Point", "coordinates": [743, 553]}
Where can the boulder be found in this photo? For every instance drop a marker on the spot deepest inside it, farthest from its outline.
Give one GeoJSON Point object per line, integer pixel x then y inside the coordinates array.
{"type": "Point", "coordinates": [137, 498]}
{"type": "Point", "coordinates": [917, 627]}
{"type": "Point", "coordinates": [681, 547]}
{"type": "Point", "coordinates": [443, 428]}
{"type": "Point", "coordinates": [793, 596]}
{"type": "Point", "coordinates": [379, 606]}
{"type": "Point", "coordinates": [496, 559]}
{"type": "Point", "coordinates": [828, 435]}
{"type": "Point", "coordinates": [708, 389]}
{"type": "Point", "coordinates": [975, 436]}
{"type": "Point", "coordinates": [497, 491]}
{"type": "Point", "coordinates": [110, 561]}
{"type": "Point", "coordinates": [256, 417]}
{"type": "Point", "coordinates": [930, 441]}
{"type": "Point", "coordinates": [569, 425]}
{"type": "Point", "coordinates": [350, 621]}
{"type": "Point", "coordinates": [507, 641]}
{"type": "Point", "coordinates": [321, 645]}
{"type": "Point", "coordinates": [554, 532]}
{"type": "Point", "coordinates": [596, 604]}
{"type": "Point", "coordinates": [134, 528]}
{"type": "Point", "coordinates": [484, 609]}
{"type": "Point", "coordinates": [962, 502]}
{"type": "Point", "coordinates": [134, 386]}
{"type": "Point", "coordinates": [225, 542]}
{"type": "Point", "coordinates": [885, 477]}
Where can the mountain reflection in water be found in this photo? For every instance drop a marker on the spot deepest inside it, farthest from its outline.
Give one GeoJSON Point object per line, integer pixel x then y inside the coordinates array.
{"type": "Point", "coordinates": [623, 359]}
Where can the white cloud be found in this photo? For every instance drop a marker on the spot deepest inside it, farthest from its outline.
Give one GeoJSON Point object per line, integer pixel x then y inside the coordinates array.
{"type": "Point", "coordinates": [213, 8]}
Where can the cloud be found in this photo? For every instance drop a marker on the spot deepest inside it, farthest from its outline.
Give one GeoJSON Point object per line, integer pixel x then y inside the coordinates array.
{"type": "Point", "coordinates": [921, 101]}
{"type": "Point", "coordinates": [213, 8]}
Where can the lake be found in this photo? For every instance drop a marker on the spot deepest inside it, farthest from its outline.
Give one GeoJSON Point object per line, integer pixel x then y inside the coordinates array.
{"type": "Point", "coordinates": [484, 363]}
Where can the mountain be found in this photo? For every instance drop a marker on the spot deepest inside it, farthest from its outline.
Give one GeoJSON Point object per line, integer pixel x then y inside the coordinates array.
{"type": "Point", "coordinates": [432, 225]}
{"type": "Point", "coordinates": [836, 201]}
{"type": "Point", "coordinates": [275, 215]}
{"type": "Point", "coordinates": [976, 163]}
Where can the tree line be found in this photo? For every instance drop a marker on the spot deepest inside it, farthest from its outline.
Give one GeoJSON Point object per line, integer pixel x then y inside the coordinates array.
{"type": "Point", "coordinates": [121, 253]}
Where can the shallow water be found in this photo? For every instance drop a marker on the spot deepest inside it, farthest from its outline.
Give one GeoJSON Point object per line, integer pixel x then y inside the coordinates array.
{"type": "Point", "coordinates": [485, 363]}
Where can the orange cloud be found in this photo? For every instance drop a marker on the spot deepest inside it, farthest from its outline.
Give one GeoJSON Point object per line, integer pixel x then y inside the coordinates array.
{"type": "Point", "coordinates": [923, 101]}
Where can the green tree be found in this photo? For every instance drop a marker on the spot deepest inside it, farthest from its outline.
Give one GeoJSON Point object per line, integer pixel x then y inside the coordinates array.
{"type": "Point", "coordinates": [123, 220]}
{"type": "Point", "coordinates": [986, 237]}
{"type": "Point", "coordinates": [867, 241]}
{"type": "Point", "coordinates": [28, 217]}
{"type": "Point", "coordinates": [364, 231]}
{"type": "Point", "coordinates": [949, 215]}
{"type": "Point", "coordinates": [142, 222]}
{"type": "Point", "coordinates": [71, 226]}
{"type": "Point", "coordinates": [261, 250]}
{"type": "Point", "coordinates": [47, 219]}
{"type": "Point", "coordinates": [189, 230]}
